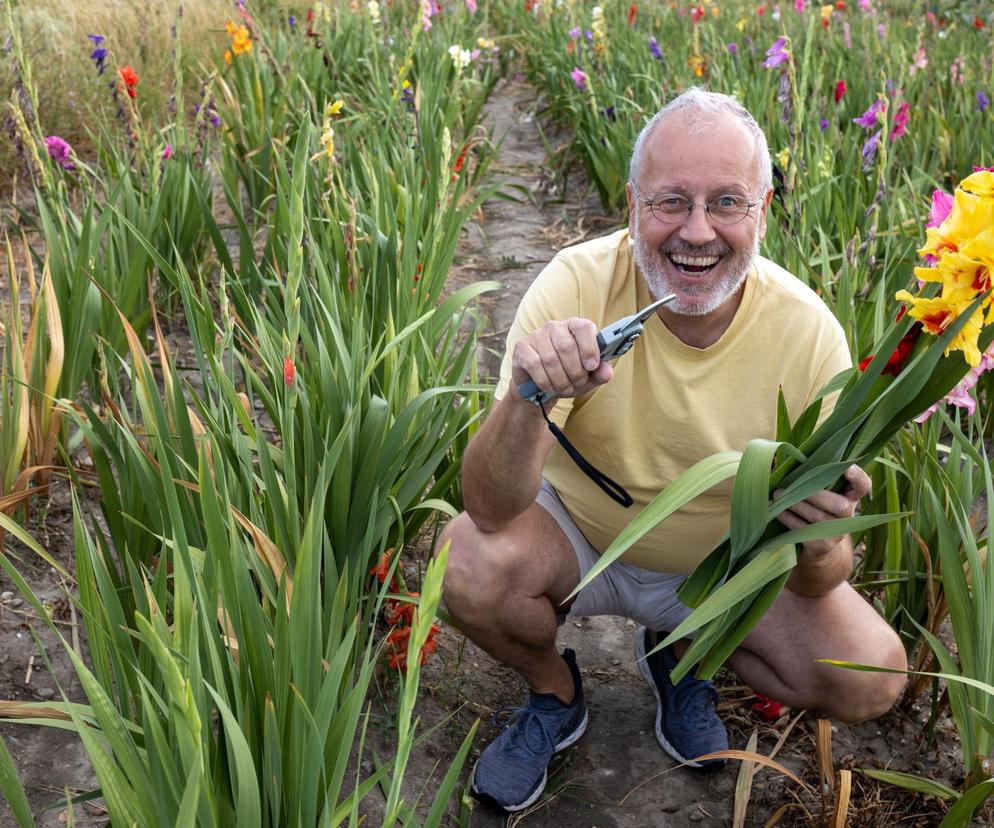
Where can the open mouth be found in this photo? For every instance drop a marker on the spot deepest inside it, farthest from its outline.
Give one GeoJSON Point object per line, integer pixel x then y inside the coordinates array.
{"type": "Point", "coordinates": [693, 265]}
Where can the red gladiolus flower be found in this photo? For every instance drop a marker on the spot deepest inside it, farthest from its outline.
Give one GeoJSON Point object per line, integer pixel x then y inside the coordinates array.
{"type": "Point", "coordinates": [978, 23]}
{"type": "Point", "coordinates": [289, 371]}
{"type": "Point", "coordinates": [840, 90]}
{"type": "Point", "coordinates": [767, 708]}
{"type": "Point", "coordinates": [400, 612]}
{"type": "Point", "coordinates": [632, 11]}
{"type": "Point", "coordinates": [697, 14]}
{"type": "Point", "coordinates": [895, 363]}
{"type": "Point", "coordinates": [130, 79]}
{"type": "Point", "coordinates": [760, 10]}
{"type": "Point", "coordinates": [840, 5]}
{"type": "Point", "coordinates": [382, 569]}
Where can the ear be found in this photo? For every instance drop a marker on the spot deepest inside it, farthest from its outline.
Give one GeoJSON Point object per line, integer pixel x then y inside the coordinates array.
{"type": "Point", "coordinates": [629, 195]}
{"type": "Point", "coordinates": [763, 207]}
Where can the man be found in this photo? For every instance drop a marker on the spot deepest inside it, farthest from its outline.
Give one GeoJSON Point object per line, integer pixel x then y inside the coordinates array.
{"type": "Point", "coordinates": [703, 378]}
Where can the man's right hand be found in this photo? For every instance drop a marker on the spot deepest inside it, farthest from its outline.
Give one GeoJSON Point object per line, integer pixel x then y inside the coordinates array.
{"type": "Point", "coordinates": [562, 357]}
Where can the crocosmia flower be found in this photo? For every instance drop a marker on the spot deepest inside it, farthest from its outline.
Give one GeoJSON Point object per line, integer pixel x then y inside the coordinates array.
{"type": "Point", "coordinates": [60, 151]}
{"type": "Point", "coordinates": [579, 78]}
{"type": "Point", "coordinates": [130, 80]}
{"type": "Point", "coordinates": [777, 54]}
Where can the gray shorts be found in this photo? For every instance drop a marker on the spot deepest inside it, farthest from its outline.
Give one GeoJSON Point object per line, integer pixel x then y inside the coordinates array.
{"type": "Point", "coordinates": [643, 595]}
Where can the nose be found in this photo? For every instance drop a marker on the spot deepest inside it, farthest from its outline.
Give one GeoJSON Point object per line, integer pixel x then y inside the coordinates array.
{"type": "Point", "coordinates": [697, 228]}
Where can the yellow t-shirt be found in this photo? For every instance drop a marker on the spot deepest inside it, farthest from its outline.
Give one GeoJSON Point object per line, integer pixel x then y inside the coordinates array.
{"type": "Point", "coordinates": [670, 405]}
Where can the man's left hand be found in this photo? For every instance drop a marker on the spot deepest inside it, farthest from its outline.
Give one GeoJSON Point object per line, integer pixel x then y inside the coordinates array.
{"type": "Point", "coordinates": [826, 505]}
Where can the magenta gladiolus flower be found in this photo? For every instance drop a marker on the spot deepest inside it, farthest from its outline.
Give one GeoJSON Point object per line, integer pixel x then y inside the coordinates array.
{"type": "Point", "coordinates": [60, 151]}
{"type": "Point", "coordinates": [579, 78]}
{"type": "Point", "coordinates": [868, 119]}
{"type": "Point", "coordinates": [900, 121]}
{"type": "Point", "coordinates": [942, 206]}
{"type": "Point", "coordinates": [960, 396]}
{"type": "Point", "coordinates": [574, 33]}
{"type": "Point", "coordinates": [167, 153]}
{"type": "Point", "coordinates": [777, 54]}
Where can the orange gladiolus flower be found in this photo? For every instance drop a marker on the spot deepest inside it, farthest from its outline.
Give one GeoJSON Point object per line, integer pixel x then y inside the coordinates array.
{"type": "Point", "coordinates": [130, 80]}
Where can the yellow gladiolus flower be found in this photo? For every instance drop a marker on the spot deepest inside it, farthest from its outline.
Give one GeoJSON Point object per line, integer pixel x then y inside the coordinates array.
{"type": "Point", "coordinates": [939, 313]}
{"type": "Point", "coordinates": [971, 215]}
{"type": "Point", "coordinates": [783, 158]}
{"type": "Point", "coordinates": [328, 143]}
{"type": "Point", "coordinates": [334, 107]}
{"type": "Point", "coordinates": [697, 64]}
{"type": "Point", "coordinates": [230, 27]}
{"type": "Point", "coordinates": [227, 56]}
{"type": "Point", "coordinates": [740, 24]}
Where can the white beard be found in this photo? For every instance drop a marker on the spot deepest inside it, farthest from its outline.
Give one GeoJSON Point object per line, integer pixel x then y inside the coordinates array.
{"type": "Point", "coordinates": [712, 291]}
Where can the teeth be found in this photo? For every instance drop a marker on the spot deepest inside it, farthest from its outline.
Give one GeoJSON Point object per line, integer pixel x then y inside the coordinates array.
{"type": "Point", "coordinates": [695, 261]}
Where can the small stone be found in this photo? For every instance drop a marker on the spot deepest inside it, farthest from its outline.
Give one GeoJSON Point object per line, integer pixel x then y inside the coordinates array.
{"type": "Point", "coordinates": [616, 661]}
{"type": "Point", "coordinates": [16, 602]}
{"type": "Point", "coordinates": [367, 767]}
{"type": "Point", "coordinates": [694, 813]}
{"type": "Point", "coordinates": [6, 595]}
{"type": "Point", "coordinates": [46, 693]}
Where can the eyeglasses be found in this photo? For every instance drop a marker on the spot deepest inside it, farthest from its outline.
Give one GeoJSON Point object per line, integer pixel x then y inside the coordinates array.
{"type": "Point", "coordinates": [672, 208]}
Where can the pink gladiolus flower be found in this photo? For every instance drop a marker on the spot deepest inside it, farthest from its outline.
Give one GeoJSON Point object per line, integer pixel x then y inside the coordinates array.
{"type": "Point", "coordinates": [800, 5]}
{"type": "Point", "coordinates": [921, 61]}
{"type": "Point", "coordinates": [579, 78]}
{"type": "Point", "coordinates": [471, 6]}
{"type": "Point", "coordinates": [942, 206]}
{"type": "Point", "coordinates": [60, 151]}
{"type": "Point", "coordinates": [900, 121]}
{"type": "Point", "coordinates": [960, 396]}
{"type": "Point", "coordinates": [167, 153]}
{"type": "Point", "coordinates": [846, 35]}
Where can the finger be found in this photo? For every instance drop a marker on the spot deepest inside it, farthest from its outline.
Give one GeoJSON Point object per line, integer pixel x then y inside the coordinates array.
{"type": "Point", "coordinates": [566, 352]}
{"type": "Point", "coordinates": [809, 512]}
{"type": "Point", "coordinates": [859, 482]}
{"type": "Point", "coordinates": [585, 333]}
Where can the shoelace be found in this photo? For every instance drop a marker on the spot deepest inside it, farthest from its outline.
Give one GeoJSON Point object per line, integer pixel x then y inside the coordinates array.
{"type": "Point", "coordinates": [528, 717]}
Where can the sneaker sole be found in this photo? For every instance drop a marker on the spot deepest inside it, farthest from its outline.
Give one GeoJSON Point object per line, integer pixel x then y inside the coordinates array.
{"type": "Point", "coordinates": [647, 675]}
{"type": "Point", "coordinates": [565, 743]}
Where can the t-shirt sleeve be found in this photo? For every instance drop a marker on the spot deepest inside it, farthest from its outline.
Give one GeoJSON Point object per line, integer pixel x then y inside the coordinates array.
{"type": "Point", "coordinates": [553, 295]}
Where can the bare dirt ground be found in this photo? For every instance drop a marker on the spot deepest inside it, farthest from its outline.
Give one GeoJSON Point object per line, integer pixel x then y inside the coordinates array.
{"type": "Point", "coordinates": [616, 775]}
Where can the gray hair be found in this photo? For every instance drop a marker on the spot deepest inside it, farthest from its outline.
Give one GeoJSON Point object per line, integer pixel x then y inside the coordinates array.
{"type": "Point", "coordinates": [710, 105]}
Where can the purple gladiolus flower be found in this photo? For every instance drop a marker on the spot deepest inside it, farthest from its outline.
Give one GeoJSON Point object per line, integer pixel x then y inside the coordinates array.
{"type": "Point", "coordinates": [777, 53]}
{"type": "Point", "coordinates": [292, 21]}
{"type": "Point", "coordinates": [574, 33]}
{"type": "Point", "coordinates": [99, 53]}
{"type": "Point", "coordinates": [982, 101]}
{"type": "Point", "coordinates": [733, 48]}
{"type": "Point", "coordinates": [868, 119]}
{"type": "Point", "coordinates": [869, 150]}
{"type": "Point", "coordinates": [589, 35]}
{"type": "Point", "coordinates": [823, 124]}
{"type": "Point", "coordinates": [579, 78]}
{"type": "Point", "coordinates": [60, 151]}
{"type": "Point", "coordinates": [654, 49]}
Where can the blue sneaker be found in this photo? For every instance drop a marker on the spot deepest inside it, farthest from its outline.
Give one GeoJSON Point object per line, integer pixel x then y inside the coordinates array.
{"type": "Point", "coordinates": [687, 723]}
{"type": "Point", "coordinates": [511, 773]}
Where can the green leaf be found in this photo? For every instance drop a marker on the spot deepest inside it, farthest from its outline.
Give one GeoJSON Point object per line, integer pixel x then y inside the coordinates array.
{"type": "Point", "coordinates": [12, 790]}
{"type": "Point", "coordinates": [697, 479]}
{"type": "Point", "coordinates": [911, 782]}
{"type": "Point", "coordinates": [961, 814]}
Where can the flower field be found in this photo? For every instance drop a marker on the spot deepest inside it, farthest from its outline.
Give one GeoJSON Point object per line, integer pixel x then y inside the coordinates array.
{"type": "Point", "coordinates": [237, 340]}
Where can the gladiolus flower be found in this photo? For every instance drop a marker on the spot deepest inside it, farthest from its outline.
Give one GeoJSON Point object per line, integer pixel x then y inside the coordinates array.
{"type": "Point", "coordinates": [823, 124]}
{"type": "Point", "coordinates": [777, 54]}
{"type": "Point", "coordinates": [60, 151]}
{"type": "Point", "coordinates": [870, 118]}
{"type": "Point", "coordinates": [99, 53]}
{"type": "Point", "coordinates": [900, 121]}
{"type": "Point", "coordinates": [939, 313]}
{"type": "Point", "coordinates": [697, 65]}
{"type": "Point", "coordinates": [696, 14]}
{"type": "Point", "coordinates": [760, 10]}
{"type": "Point", "coordinates": [921, 61]}
{"type": "Point", "coordinates": [978, 22]}
{"type": "Point", "coordinates": [768, 708]}
{"type": "Point", "coordinates": [654, 49]}
{"type": "Point", "coordinates": [471, 6]}
{"type": "Point", "coordinates": [574, 33]}
{"type": "Point", "coordinates": [632, 12]}
{"type": "Point", "coordinates": [869, 151]}
{"type": "Point", "coordinates": [130, 79]}
{"type": "Point", "coordinates": [960, 396]}
{"type": "Point", "coordinates": [167, 152]}
{"type": "Point", "coordinates": [942, 205]}
{"type": "Point", "coordinates": [579, 78]}
{"type": "Point", "coordinates": [800, 6]}
{"type": "Point", "coordinates": [289, 371]}
{"type": "Point", "coordinates": [840, 90]}
{"type": "Point", "coordinates": [382, 568]}
{"type": "Point", "coordinates": [982, 101]}
{"type": "Point", "coordinates": [733, 48]}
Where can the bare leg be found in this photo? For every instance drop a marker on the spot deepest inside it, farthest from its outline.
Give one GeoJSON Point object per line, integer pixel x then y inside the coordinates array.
{"type": "Point", "coordinates": [504, 588]}
{"type": "Point", "coordinates": [778, 658]}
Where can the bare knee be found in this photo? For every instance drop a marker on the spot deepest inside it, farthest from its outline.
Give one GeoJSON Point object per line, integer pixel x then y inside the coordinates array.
{"type": "Point", "coordinates": [857, 696]}
{"type": "Point", "coordinates": [474, 579]}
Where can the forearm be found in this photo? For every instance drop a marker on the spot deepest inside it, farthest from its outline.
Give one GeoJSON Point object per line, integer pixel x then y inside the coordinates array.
{"type": "Point", "coordinates": [817, 572]}
{"type": "Point", "coordinates": [502, 467]}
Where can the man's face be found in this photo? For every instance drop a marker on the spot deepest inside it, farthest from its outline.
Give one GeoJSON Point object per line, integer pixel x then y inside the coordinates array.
{"type": "Point", "coordinates": [703, 262]}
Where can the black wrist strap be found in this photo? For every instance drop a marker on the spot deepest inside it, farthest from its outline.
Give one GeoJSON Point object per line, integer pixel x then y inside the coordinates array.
{"type": "Point", "coordinates": [613, 490]}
